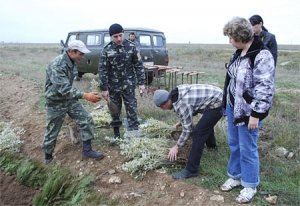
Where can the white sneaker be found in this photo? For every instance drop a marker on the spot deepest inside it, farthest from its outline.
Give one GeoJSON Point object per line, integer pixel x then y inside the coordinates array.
{"type": "Point", "coordinates": [246, 195]}
{"type": "Point", "coordinates": [230, 184]}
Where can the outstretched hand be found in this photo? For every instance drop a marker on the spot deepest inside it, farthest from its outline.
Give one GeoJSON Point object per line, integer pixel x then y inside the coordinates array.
{"type": "Point", "coordinates": [172, 156]}
{"type": "Point", "coordinates": [92, 97]}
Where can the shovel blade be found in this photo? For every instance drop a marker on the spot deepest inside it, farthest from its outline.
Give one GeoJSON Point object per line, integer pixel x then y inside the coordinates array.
{"type": "Point", "coordinates": [113, 108]}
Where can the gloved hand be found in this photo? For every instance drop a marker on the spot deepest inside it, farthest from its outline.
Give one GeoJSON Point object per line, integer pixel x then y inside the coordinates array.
{"type": "Point", "coordinates": [92, 97]}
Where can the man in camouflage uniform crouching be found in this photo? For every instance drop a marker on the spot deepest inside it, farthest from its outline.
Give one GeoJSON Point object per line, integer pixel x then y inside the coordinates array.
{"type": "Point", "coordinates": [62, 99]}
{"type": "Point", "coordinates": [120, 67]}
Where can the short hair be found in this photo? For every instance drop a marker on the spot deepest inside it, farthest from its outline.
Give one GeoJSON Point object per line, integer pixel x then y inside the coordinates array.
{"type": "Point", "coordinates": [239, 29]}
{"type": "Point", "coordinates": [256, 19]}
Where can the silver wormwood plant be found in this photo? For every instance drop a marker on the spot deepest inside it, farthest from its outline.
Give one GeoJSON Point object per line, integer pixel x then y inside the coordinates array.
{"type": "Point", "coordinates": [10, 137]}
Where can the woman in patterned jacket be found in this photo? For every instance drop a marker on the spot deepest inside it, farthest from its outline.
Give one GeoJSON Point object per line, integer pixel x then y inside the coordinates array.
{"type": "Point", "coordinates": [248, 95]}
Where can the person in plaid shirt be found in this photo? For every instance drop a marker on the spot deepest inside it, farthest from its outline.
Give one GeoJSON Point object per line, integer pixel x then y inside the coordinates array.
{"type": "Point", "coordinates": [187, 100]}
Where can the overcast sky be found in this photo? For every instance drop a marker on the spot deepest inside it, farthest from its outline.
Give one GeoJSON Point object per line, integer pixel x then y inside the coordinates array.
{"type": "Point", "coordinates": [195, 21]}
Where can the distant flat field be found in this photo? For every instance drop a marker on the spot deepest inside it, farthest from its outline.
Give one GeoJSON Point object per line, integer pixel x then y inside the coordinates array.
{"type": "Point", "coordinates": [228, 46]}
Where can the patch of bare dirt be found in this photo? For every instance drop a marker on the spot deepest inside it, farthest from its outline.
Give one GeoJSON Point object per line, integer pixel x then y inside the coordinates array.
{"type": "Point", "coordinates": [19, 101]}
{"type": "Point", "coordinates": [14, 194]}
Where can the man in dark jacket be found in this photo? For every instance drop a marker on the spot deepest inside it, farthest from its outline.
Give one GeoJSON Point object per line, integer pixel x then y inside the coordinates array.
{"type": "Point", "coordinates": [266, 37]}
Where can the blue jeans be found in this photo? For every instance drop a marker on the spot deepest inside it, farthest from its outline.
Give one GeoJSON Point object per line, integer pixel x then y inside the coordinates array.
{"type": "Point", "coordinates": [243, 162]}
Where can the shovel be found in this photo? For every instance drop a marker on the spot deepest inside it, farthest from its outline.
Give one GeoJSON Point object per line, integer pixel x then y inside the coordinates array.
{"type": "Point", "coordinates": [113, 108]}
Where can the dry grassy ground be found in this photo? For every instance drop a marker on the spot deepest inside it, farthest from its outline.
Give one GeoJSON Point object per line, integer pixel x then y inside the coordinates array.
{"type": "Point", "coordinates": [22, 71]}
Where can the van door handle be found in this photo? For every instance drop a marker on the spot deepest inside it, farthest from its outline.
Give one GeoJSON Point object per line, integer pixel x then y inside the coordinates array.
{"type": "Point", "coordinates": [156, 51]}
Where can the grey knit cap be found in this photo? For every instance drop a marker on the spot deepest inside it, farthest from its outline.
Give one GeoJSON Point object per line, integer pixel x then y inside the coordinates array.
{"type": "Point", "coordinates": [160, 97]}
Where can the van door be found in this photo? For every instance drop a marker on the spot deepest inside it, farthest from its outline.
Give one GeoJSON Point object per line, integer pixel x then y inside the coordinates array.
{"type": "Point", "coordinates": [153, 49]}
{"type": "Point", "coordinates": [160, 53]}
{"type": "Point", "coordinates": [93, 41]}
{"type": "Point", "coordinates": [146, 49]}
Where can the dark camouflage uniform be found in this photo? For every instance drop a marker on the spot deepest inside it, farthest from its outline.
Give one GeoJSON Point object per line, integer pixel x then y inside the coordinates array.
{"type": "Point", "coordinates": [62, 99]}
{"type": "Point", "coordinates": [120, 69]}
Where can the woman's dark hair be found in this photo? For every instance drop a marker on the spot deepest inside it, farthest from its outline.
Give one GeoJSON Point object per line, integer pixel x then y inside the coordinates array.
{"type": "Point", "coordinates": [256, 19]}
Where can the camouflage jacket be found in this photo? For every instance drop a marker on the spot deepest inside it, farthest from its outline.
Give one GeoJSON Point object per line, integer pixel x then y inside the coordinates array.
{"type": "Point", "coordinates": [120, 66]}
{"type": "Point", "coordinates": [60, 74]}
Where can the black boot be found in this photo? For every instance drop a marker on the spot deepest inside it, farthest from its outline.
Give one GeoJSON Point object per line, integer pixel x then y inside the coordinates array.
{"type": "Point", "coordinates": [116, 136]}
{"type": "Point", "coordinates": [48, 158]}
{"type": "Point", "coordinates": [88, 152]}
{"type": "Point", "coordinates": [116, 131]}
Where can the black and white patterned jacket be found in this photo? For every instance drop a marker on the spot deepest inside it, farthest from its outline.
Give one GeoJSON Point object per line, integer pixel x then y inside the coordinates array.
{"type": "Point", "coordinates": [250, 83]}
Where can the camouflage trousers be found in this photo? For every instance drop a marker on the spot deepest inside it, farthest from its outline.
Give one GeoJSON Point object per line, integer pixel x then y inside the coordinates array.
{"type": "Point", "coordinates": [128, 97]}
{"type": "Point", "coordinates": [56, 113]}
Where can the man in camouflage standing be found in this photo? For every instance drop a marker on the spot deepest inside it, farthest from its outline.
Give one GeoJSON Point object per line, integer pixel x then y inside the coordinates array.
{"type": "Point", "coordinates": [120, 67]}
{"type": "Point", "coordinates": [62, 99]}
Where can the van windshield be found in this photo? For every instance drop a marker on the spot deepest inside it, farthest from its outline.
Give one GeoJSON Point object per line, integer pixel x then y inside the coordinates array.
{"type": "Point", "coordinates": [145, 40]}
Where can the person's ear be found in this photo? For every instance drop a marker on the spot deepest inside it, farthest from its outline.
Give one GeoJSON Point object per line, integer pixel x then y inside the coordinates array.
{"type": "Point", "coordinates": [169, 104]}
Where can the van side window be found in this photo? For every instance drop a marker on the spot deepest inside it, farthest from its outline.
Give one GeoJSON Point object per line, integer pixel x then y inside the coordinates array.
{"type": "Point", "coordinates": [107, 39]}
{"type": "Point", "coordinates": [158, 41]}
{"type": "Point", "coordinates": [93, 39]}
{"type": "Point", "coordinates": [145, 40]}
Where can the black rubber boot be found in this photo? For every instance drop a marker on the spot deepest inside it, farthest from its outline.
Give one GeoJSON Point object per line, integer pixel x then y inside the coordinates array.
{"type": "Point", "coordinates": [116, 136]}
{"type": "Point", "coordinates": [117, 131]}
{"type": "Point", "coordinates": [88, 152]}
